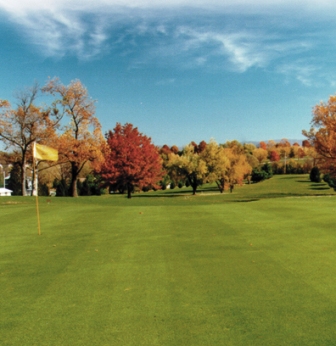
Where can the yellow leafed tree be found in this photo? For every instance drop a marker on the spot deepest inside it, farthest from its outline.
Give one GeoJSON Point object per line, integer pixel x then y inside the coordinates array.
{"type": "Point", "coordinates": [189, 165]}
{"type": "Point", "coordinates": [81, 139]}
{"type": "Point", "coordinates": [217, 164]}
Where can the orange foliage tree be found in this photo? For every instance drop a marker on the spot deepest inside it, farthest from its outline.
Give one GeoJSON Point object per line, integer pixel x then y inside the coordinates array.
{"type": "Point", "coordinates": [131, 160]}
{"type": "Point", "coordinates": [322, 135]}
{"type": "Point", "coordinates": [20, 127]}
{"type": "Point", "coordinates": [81, 139]}
{"type": "Point", "coordinates": [238, 169]}
{"type": "Point", "coordinates": [263, 145]}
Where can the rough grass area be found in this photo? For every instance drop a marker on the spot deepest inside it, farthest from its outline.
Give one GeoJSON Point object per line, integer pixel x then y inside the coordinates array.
{"type": "Point", "coordinates": [255, 267]}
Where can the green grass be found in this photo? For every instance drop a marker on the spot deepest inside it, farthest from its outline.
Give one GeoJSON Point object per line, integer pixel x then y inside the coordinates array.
{"type": "Point", "coordinates": [255, 267]}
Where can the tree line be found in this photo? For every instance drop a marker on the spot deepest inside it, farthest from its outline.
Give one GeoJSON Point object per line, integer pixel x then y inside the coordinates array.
{"type": "Point", "coordinates": [125, 160]}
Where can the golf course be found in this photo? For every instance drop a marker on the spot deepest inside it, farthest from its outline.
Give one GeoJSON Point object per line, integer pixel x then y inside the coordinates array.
{"type": "Point", "coordinates": [253, 267]}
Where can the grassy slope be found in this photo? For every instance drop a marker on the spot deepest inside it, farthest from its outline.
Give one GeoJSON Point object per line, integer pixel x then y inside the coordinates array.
{"type": "Point", "coordinates": [171, 271]}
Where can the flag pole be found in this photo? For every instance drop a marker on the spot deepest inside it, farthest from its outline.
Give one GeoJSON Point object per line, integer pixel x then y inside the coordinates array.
{"type": "Point", "coordinates": [36, 192]}
{"type": "Point", "coordinates": [41, 152]}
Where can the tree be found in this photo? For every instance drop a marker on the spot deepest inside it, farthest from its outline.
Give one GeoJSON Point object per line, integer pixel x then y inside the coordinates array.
{"type": "Point", "coordinates": [260, 154]}
{"type": "Point", "coordinates": [235, 146]}
{"type": "Point", "coordinates": [81, 139]}
{"type": "Point", "coordinates": [262, 173]}
{"type": "Point", "coordinates": [217, 164]}
{"type": "Point", "coordinates": [249, 148]}
{"type": "Point", "coordinates": [14, 181]}
{"type": "Point", "coordinates": [322, 136]}
{"type": "Point", "coordinates": [174, 149]}
{"type": "Point", "coordinates": [306, 143]}
{"type": "Point", "coordinates": [189, 166]}
{"type": "Point", "coordinates": [274, 156]}
{"type": "Point", "coordinates": [19, 128]}
{"type": "Point", "coordinates": [263, 145]}
{"type": "Point", "coordinates": [131, 160]}
{"type": "Point", "coordinates": [238, 169]}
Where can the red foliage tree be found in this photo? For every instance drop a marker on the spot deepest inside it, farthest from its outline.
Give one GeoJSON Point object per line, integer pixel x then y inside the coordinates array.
{"type": "Point", "coordinates": [201, 146]}
{"type": "Point", "coordinates": [131, 159]}
{"type": "Point", "coordinates": [274, 156]}
{"type": "Point", "coordinates": [165, 150]}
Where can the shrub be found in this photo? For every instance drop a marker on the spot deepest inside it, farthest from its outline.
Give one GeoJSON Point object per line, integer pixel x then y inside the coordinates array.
{"type": "Point", "coordinates": [315, 175]}
{"type": "Point", "coordinates": [62, 188]}
{"type": "Point", "coordinates": [262, 173]}
{"type": "Point", "coordinates": [330, 181]}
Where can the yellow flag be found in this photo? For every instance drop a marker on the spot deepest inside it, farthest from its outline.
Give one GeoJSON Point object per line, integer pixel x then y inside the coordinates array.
{"type": "Point", "coordinates": [42, 152]}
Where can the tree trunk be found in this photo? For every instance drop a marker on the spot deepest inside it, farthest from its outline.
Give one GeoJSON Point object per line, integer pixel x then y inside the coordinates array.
{"type": "Point", "coordinates": [231, 187]}
{"type": "Point", "coordinates": [74, 176]}
{"type": "Point", "coordinates": [129, 190]}
{"type": "Point", "coordinates": [193, 183]}
{"type": "Point", "coordinates": [23, 176]}
{"type": "Point", "coordinates": [221, 185]}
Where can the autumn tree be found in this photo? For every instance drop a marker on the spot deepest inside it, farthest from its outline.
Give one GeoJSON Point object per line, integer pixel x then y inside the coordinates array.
{"type": "Point", "coordinates": [217, 164]}
{"type": "Point", "coordinates": [235, 146]}
{"type": "Point", "coordinates": [81, 139]}
{"type": "Point", "coordinates": [164, 152]}
{"type": "Point", "coordinates": [283, 148]}
{"type": "Point", "coordinates": [263, 145]}
{"type": "Point", "coordinates": [174, 149]}
{"type": "Point", "coordinates": [260, 154]}
{"type": "Point", "coordinates": [189, 166]}
{"type": "Point", "coordinates": [306, 143]}
{"type": "Point", "coordinates": [274, 155]}
{"type": "Point", "coordinates": [131, 160]}
{"type": "Point", "coordinates": [239, 167]}
{"type": "Point", "coordinates": [20, 127]}
{"type": "Point", "coordinates": [322, 136]}
{"type": "Point", "coordinates": [249, 148]}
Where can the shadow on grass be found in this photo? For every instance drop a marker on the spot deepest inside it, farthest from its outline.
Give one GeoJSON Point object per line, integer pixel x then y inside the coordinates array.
{"type": "Point", "coordinates": [177, 193]}
{"type": "Point", "coordinates": [288, 177]}
{"type": "Point", "coordinates": [320, 188]}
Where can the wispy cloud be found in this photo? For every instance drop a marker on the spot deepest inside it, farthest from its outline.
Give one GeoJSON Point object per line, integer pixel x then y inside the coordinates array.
{"type": "Point", "coordinates": [175, 31]}
{"type": "Point", "coordinates": [300, 70]}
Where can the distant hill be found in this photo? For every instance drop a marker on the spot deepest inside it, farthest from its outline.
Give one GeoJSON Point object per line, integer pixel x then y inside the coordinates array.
{"type": "Point", "coordinates": [291, 141]}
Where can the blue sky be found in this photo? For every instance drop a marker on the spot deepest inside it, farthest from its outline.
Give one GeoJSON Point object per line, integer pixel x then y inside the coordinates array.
{"type": "Point", "coordinates": [179, 70]}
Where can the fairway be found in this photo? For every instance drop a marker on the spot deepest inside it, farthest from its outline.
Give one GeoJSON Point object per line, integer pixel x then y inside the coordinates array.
{"type": "Point", "coordinates": [255, 267]}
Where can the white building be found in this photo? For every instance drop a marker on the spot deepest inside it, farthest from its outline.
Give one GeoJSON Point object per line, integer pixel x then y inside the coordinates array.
{"type": "Point", "coordinates": [5, 192]}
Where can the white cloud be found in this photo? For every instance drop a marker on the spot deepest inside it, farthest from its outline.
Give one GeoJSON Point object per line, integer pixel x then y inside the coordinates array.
{"type": "Point", "coordinates": [301, 71]}
{"type": "Point", "coordinates": [32, 5]}
{"type": "Point", "coordinates": [87, 28]}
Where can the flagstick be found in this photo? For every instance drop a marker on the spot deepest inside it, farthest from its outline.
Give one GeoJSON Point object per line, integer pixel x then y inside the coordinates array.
{"type": "Point", "coordinates": [36, 193]}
